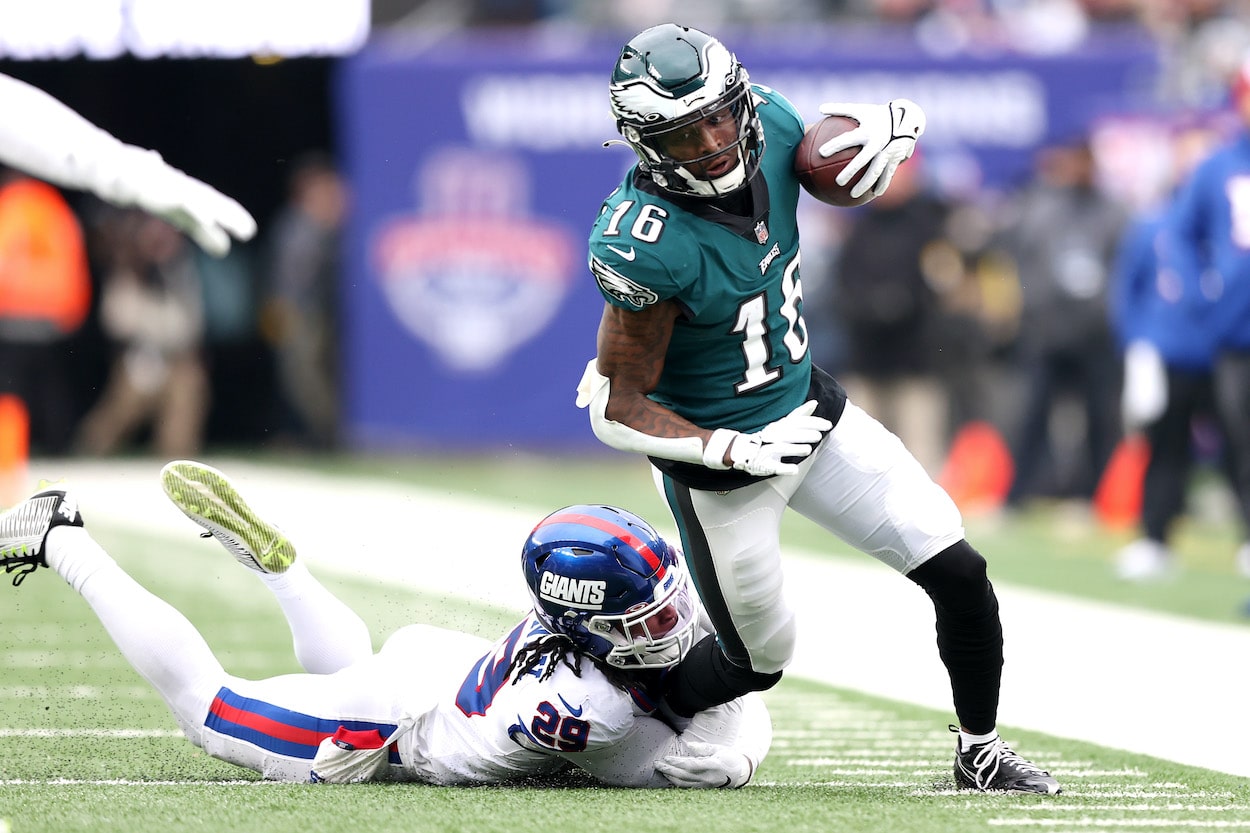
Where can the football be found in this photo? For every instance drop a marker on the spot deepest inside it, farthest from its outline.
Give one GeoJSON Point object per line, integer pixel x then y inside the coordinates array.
{"type": "Point", "coordinates": [818, 174]}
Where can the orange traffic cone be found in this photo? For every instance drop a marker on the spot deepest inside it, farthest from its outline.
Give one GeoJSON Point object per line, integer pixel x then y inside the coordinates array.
{"type": "Point", "coordinates": [14, 448]}
{"type": "Point", "coordinates": [978, 469]}
{"type": "Point", "coordinates": [1118, 498]}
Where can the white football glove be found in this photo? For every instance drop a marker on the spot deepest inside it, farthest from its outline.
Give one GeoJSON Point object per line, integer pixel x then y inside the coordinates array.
{"type": "Point", "coordinates": [210, 217]}
{"type": "Point", "coordinates": [887, 134]}
{"type": "Point", "coordinates": [707, 766]}
{"type": "Point", "coordinates": [45, 138]}
{"type": "Point", "coordinates": [760, 454]}
{"type": "Point", "coordinates": [1145, 393]}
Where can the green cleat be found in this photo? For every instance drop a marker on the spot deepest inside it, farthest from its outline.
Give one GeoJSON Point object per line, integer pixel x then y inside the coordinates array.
{"type": "Point", "coordinates": [207, 497]}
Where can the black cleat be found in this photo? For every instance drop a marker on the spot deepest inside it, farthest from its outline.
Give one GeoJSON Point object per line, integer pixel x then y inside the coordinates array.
{"type": "Point", "coordinates": [24, 530]}
{"type": "Point", "coordinates": [994, 766]}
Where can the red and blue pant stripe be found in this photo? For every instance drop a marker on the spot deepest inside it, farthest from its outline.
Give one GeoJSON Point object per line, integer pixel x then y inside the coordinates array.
{"type": "Point", "coordinates": [282, 731]}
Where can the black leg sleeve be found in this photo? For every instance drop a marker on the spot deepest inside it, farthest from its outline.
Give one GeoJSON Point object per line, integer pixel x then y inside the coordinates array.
{"type": "Point", "coordinates": [969, 634]}
{"type": "Point", "coordinates": [706, 678]}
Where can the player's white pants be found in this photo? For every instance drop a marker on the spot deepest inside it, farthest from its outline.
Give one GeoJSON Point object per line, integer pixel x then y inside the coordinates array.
{"type": "Point", "coordinates": [272, 726]}
{"type": "Point", "coordinates": [861, 484]}
{"type": "Point", "coordinates": [275, 725]}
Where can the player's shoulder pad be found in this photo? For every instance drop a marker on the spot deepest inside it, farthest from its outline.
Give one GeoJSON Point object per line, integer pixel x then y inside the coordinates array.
{"type": "Point", "coordinates": [776, 112]}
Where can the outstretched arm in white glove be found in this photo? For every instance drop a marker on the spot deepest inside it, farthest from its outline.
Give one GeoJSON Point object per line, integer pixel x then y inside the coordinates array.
{"type": "Point", "coordinates": [887, 135]}
{"type": "Point", "coordinates": [46, 139]}
{"type": "Point", "coordinates": [794, 435]}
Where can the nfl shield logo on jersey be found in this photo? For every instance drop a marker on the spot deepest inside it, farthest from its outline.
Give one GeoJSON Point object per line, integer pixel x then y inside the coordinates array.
{"type": "Point", "coordinates": [761, 232]}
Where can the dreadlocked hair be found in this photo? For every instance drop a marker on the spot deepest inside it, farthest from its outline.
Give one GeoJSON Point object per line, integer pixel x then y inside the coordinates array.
{"type": "Point", "coordinates": [558, 648]}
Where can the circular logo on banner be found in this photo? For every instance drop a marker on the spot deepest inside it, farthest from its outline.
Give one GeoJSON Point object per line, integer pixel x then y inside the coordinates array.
{"type": "Point", "coordinates": [473, 275]}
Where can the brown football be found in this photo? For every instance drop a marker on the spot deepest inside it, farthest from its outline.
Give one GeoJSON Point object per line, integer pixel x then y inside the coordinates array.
{"type": "Point", "coordinates": [818, 174]}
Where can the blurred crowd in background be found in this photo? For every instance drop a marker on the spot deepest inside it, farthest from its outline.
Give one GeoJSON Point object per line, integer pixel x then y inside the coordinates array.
{"type": "Point", "coordinates": [142, 337]}
{"type": "Point", "coordinates": [975, 323]}
{"type": "Point", "coordinates": [1200, 39]}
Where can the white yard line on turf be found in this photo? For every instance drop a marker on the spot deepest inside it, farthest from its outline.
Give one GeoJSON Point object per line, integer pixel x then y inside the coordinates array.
{"type": "Point", "coordinates": [1150, 683]}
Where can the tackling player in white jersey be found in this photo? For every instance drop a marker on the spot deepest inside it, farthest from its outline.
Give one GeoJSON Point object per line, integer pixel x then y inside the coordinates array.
{"type": "Point", "coordinates": [570, 687]}
{"type": "Point", "coordinates": [44, 138]}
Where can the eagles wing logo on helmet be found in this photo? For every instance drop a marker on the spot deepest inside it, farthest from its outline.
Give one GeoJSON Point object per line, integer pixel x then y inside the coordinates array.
{"type": "Point", "coordinates": [668, 72]}
{"type": "Point", "coordinates": [618, 286]}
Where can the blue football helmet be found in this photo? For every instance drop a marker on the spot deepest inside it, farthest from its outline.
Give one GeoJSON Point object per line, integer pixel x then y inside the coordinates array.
{"type": "Point", "coordinates": [605, 578]}
{"type": "Point", "coordinates": [667, 79]}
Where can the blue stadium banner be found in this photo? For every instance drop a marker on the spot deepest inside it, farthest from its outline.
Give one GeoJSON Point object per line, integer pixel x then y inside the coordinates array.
{"type": "Point", "coordinates": [478, 165]}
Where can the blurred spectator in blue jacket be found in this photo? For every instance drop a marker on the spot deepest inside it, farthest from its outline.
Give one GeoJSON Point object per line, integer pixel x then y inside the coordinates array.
{"type": "Point", "coordinates": [1212, 252]}
{"type": "Point", "coordinates": [1169, 348]}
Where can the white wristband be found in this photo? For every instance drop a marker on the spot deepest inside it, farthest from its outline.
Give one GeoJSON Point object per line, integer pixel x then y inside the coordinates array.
{"type": "Point", "coordinates": [717, 445]}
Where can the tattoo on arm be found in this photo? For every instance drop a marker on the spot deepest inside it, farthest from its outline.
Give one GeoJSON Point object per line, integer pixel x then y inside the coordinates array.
{"type": "Point", "coordinates": [631, 350]}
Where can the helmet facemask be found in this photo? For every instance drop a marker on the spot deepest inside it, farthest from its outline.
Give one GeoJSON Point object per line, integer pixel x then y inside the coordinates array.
{"type": "Point", "coordinates": [653, 635]}
{"type": "Point", "coordinates": [605, 578]}
{"type": "Point", "coordinates": [688, 174]}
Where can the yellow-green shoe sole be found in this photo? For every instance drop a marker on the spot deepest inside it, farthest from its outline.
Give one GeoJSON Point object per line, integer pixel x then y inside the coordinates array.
{"type": "Point", "coordinates": [206, 496]}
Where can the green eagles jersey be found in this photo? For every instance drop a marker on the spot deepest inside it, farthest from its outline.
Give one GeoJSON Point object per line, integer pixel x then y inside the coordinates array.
{"type": "Point", "coordinates": [739, 355]}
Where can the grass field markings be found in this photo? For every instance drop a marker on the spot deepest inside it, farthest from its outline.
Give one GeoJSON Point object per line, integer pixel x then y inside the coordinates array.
{"type": "Point", "coordinates": [128, 782]}
{"type": "Point", "coordinates": [1124, 824]}
{"type": "Point", "coordinates": [1121, 791]}
{"type": "Point", "coordinates": [858, 783]}
{"type": "Point", "coordinates": [883, 736]}
{"type": "Point", "coordinates": [1086, 772]}
{"type": "Point", "coordinates": [76, 691]}
{"type": "Point", "coordinates": [1161, 784]}
{"type": "Point", "coordinates": [61, 658]}
{"type": "Point", "coordinates": [844, 720]}
{"type": "Point", "coordinates": [1057, 765]}
{"type": "Point", "coordinates": [858, 752]}
{"type": "Point", "coordinates": [919, 770]}
{"type": "Point", "coordinates": [852, 760]}
{"type": "Point", "coordinates": [90, 733]}
{"type": "Point", "coordinates": [1136, 808]}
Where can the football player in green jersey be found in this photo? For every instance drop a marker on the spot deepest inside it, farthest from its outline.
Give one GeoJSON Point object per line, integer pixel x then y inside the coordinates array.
{"type": "Point", "coordinates": [703, 366]}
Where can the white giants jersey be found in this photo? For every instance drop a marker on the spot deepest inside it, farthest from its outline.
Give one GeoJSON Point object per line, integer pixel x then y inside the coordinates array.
{"type": "Point", "coordinates": [497, 727]}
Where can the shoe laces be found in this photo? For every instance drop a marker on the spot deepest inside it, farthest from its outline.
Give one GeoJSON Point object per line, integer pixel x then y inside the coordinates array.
{"type": "Point", "coordinates": [26, 564]}
{"type": "Point", "coordinates": [995, 754]}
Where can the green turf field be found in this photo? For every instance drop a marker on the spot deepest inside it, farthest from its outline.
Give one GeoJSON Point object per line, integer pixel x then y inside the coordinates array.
{"type": "Point", "coordinates": [1056, 548]}
{"type": "Point", "coordinates": [85, 745]}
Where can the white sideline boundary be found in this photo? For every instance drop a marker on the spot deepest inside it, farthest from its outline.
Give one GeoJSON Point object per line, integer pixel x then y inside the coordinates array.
{"type": "Point", "coordinates": [1154, 684]}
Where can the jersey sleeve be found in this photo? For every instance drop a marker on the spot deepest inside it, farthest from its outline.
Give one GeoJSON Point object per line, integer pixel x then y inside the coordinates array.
{"type": "Point", "coordinates": [783, 116]}
{"type": "Point", "coordinates": [640, 249]}
{"type": "Point", "coordinates": [630, 274]}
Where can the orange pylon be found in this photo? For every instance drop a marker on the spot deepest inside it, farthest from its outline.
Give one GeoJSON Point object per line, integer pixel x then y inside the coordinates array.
{"type": "Point", "coordinates": [14, 448]}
